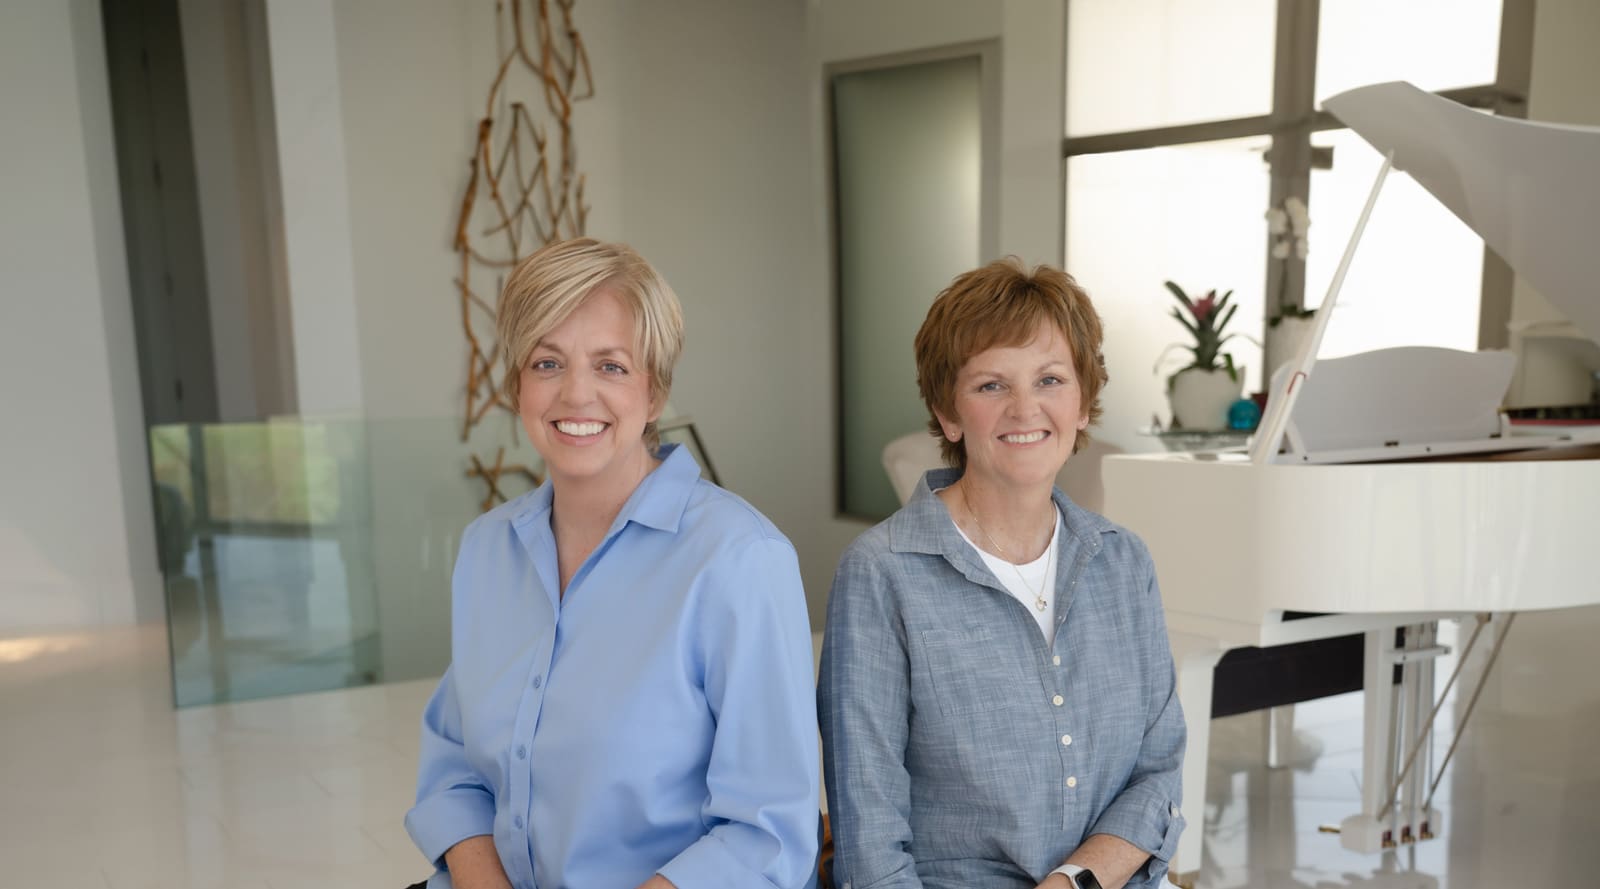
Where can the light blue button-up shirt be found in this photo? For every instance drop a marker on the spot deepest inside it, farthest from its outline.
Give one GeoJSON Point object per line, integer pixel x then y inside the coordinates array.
{"type": "Point", "coordinates": [962, 749]}
{"type": "Point", "coordinates": [658, 718]}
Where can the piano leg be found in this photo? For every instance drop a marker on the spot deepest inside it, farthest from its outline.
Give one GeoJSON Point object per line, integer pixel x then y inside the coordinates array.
{"type": "Point", "coordinates": [1196, 659]}
{"type": "Point", "coordinates": [1280, 737]}
{"type": "Point", "coordinates": [1396, 722]}
{"type": "Point", "coordinates": [1417, 824]}
{"type": "Point", "coordinates": [1366, 832]}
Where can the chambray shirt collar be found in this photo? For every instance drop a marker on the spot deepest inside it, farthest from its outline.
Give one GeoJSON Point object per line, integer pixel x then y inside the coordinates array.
{"type": "Point", "coordinates": [924, 525]}
{"type": "Point", "coordinates": [658, 502]}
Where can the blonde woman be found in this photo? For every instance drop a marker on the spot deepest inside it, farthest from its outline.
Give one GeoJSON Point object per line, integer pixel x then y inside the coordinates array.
{"type": "Point", "coordinates": [629, 701]}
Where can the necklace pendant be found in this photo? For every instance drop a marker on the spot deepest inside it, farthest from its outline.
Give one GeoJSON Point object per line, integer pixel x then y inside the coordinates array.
{"type": "Point", "coordinates": [1040, 604]}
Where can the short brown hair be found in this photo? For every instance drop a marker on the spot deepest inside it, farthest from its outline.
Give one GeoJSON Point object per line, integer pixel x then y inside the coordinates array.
{"type": "Point", "coordinates": [999, 305]}
{"type": "Point", "coordinates": [547, 287]}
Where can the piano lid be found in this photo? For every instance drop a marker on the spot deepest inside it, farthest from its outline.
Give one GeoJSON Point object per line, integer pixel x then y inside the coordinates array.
{"type": "Point", "coordinates": [1530, 190]}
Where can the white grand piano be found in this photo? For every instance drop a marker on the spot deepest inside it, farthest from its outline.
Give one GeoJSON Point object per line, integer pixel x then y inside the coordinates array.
{"type": "Point", "coordinates": [1385, 492]}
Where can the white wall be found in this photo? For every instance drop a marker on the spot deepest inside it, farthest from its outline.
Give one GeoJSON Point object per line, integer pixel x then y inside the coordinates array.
{"type": "Point", "coordinates": [722, 190]}
{"type": "Point", "coordinates": [308, 106]}
{"type": "Point", "coordinates": [413, 78]}
{"type": "Point", "coordinates": [1565, 88]}
{"type": "Point", "coordinates": [701, 148]}
{"type": "Point", "coordinates": [723, 187]}
{"type": "Point", "coordinates": [76, 537]}
{"type": "Point", "coordinates": [1546, 644]}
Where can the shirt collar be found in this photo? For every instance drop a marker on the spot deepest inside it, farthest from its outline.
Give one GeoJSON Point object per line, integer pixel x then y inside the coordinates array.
{"type": "Point", "coordinates": [924, 524]}
{"type": "Point", "coordinates": [658, 502]}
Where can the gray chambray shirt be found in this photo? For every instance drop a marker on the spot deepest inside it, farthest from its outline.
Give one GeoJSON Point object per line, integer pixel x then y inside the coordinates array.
{"type": "Point", "coordinates": [960, 750]}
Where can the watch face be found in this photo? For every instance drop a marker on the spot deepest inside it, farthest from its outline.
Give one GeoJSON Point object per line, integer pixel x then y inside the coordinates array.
{"type": "Point", "coordinates": [1085, 880]}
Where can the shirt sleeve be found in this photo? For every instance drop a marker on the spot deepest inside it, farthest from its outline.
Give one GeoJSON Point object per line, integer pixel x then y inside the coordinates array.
{"type": "Point", "coordinates": [863, 699]}
{"type": "Point", "coordinates": [453, 802]}
{"type": "Point", "coordinates": [754, 656]}
{"type": "Point", "coordinates": [1146, 812]}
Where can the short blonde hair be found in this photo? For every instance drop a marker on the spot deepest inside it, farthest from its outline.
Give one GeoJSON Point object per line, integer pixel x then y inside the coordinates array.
{"type": "Point", "coordinates": [1002, 304]}
{"type": "Point", "coordinates": [547, 287]}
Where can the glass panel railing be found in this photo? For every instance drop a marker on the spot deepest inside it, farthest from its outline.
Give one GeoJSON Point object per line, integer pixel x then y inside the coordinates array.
{"type": "Point", "coordinates": [300, 556]}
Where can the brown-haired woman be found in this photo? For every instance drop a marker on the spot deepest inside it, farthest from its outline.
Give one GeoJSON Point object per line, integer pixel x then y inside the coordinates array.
{"type": "Point", "coordinates": [997, 697]}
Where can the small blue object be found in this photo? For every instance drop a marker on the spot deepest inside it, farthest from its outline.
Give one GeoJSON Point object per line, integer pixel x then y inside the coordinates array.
{"type": "Point", "coordinates": [1244, 415]}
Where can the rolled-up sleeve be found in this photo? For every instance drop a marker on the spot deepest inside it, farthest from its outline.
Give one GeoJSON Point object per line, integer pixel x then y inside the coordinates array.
{"type": "Point", "coordinates": [864, 695]}
{"type": "Point", "coordinates": [755, 657]}
{"type": "Point", "coordinates": [453, 802]}
{"type": "Point", "coordinates": [1146, 813]}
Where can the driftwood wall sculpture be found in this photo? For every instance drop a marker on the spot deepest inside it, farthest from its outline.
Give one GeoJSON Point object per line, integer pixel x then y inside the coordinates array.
{"type": "Point", "coordinates": [523, 190]}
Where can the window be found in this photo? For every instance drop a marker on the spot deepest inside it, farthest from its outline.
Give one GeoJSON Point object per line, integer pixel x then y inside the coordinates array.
{"type": "Point", "coordinates": [1138, 217]}
{"type": "Point", "coordinates": [1165, 177]}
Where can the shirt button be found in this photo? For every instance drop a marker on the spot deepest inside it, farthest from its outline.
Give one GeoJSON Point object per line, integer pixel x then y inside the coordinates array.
{"type": "Point", "coordinates": [1066, 740]}
{"type": "Point", "coordinates": [1072, 781]}
{"type": "Point", "coordinates": [1058, 700]}
{"type": "Point", "coordinates": [1056, 660]}
{"type": "Point", "coordinates": [516, 821]}
{"type": "Point", "coordinates": [522, 751]}
{"type": "Point", "coordinates": [538, 681]}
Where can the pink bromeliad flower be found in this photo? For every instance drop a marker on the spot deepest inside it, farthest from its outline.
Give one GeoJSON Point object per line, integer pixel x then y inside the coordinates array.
{"type": "Point", "coordinates": [1211, 314]}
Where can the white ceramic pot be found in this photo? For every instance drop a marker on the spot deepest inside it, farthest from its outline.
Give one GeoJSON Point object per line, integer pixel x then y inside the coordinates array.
{"type": "Point", "coordinates": [1283, 342]}
{"type": "Point", "coordinates": [1200, 398]}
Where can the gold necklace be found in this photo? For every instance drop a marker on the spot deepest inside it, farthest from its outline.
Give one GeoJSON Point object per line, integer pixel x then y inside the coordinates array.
{"type": "Point", "coordinates": [1039, 600]}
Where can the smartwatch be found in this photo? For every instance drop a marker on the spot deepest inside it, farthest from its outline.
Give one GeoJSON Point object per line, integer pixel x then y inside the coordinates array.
{"type": "Point", "coordinates": [1079, 877]}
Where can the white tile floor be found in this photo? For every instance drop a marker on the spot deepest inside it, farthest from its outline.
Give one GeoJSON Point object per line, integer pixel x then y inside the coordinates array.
{"type": "Point", "coordinates": [104, 786]}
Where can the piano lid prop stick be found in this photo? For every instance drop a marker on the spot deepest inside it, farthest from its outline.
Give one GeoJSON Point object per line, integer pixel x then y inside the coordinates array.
{"type": "Point", "coordinates": [1269, 435]}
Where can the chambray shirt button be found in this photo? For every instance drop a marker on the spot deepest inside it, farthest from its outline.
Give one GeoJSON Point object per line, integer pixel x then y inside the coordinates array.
{"type": "Point", "coordinates": [1058, 700]}
{"type": "Point", "coordinates": [1056, 660]}
{"type": "Point", "coordinates": [1066, 740]}
{"type": "Point", "coordinates": [522, 751]}
{"type": "Point", "coordinates": [516, 821]}
{"type": "Point", "coordinates": [1072, 781]}
{"type": "Point", "coordinates": [538, 681]}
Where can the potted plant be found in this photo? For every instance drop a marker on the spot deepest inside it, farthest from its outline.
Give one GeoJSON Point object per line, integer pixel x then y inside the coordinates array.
{"type": "Point", "coordinates": [1201, 391]}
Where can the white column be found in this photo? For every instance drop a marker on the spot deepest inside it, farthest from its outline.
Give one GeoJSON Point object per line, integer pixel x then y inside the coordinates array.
{"type": "Point", "coordinates": [309, 119]}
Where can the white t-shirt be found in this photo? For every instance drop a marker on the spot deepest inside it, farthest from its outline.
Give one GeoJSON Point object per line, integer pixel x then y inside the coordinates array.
{"type": "Point", "coordinates": [1041, 570]}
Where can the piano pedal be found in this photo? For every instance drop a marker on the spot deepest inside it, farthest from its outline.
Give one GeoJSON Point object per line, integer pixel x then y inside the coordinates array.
{"type": "Point", "coordinates": [1427, 831]}
{"type": "Point", "coordinates": [1327, 828]}
{"type": "Point", "coordinates": [1364, 833]}
{"type": "Point", "coordinates": [1406, 838]}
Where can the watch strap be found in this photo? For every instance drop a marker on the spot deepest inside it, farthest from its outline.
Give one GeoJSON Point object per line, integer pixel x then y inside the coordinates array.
{"type": "Point", "coordinates": [1080, 877]}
